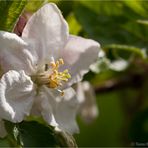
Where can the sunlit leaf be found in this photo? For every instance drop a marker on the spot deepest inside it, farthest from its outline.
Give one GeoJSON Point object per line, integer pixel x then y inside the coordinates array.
{"type": "Point", "coordinates": [101, 22]}
{"type": "Point", "coordinates": [74, 26]}
{"type": "Point", "coordinates": [136, 6]}
{"type": "Point", "coordinates": [9, 13]}
{"type": "Point", "coordinates": [104, 7]}
{"type": "Point", "coordinates": [33, 6]}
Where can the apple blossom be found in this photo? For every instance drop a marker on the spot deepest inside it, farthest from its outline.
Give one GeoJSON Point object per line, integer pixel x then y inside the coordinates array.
{"type": "Point", "coordinates": [40, 67]}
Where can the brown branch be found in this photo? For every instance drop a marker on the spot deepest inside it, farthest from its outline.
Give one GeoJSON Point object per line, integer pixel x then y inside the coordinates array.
{"type": "Point", "coordinates": [132, 80]}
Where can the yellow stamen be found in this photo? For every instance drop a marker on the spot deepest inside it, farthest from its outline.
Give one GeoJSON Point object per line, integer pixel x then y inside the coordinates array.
{"type": "Point", "coordinates": [57, 64]}
{"type": "Point", "coordinates": [52, 64]}
{"type": "Point", "coordinates": [61, 61]}
{"type": "Point", "coordinates": [56, 78]}
{"type": "Point", "coordinates": [52, 77]}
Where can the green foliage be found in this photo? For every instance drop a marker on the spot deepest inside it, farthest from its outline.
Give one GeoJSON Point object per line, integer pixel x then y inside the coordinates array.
{"type": "Point", "coordinates": [4, 142]}
{"type": "Point", "coordinates": [74, 26]}
{"type": "Point", "coordinates": [9, 13]}
{"type": "Point", "coordinates": [35, 134]}
{"type": "Point", "coordinates": [113, 22]}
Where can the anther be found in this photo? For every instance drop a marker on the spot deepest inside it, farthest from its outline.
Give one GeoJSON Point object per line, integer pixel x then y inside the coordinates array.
{"type": "Point", "coordinates": [57, 64]}
{"type": "Point", "coordinates": [61, 61]}
{"type": "Point", "coordinates": [55, 72]}
{"type": "Point", "coordinates": [52, 64]}
{"type": "Point", "coordinates": [62, 93]}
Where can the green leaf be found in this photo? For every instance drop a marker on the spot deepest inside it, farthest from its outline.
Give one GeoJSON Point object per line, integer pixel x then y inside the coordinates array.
{"type": "Point", "coordinates": [136, 6]}
{"type": "Point", "coordinates": [103, 6]}
{"type": "Point", "coordinates": [33, 6]}
{"type": "Point", "coordinates": [12, 137]}
{"type": "Point", "coordinates": [4, 142]}
{"type": "Point", "coordinates": [34, 134]}
{"type": "Point", "coordinates": [9, 13]}
{"type": "Point", "coordinates": [112, 22]}
{"type": "Point", "coordinates": [74, 26]}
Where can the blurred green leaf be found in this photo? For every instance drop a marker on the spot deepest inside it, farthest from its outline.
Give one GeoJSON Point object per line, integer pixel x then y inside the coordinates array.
{"type": "Point", "coordinates": [13, 136]}
{"type": "Point", "coordinates": [33, 6]}
{"type": "Point", "coordinates": [9, 13]}
{"type": "Point", "coordinates": [4, 142]}
{"type": "Point", "coordinates": [103, 7]}
{"type": "Point", "coordinates": [54, 1]}
{"type": "Point", "coordinates": [113, 22]}
{"type": "Point", "coordinates": [66, 7]}
{"type": "Point", "coordinates": [74, 26]}
{"type": "Point", "coordinates": [136, 6]}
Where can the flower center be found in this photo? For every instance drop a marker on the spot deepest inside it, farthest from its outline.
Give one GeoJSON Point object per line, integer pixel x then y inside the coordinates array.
{"type": "Point", "coordinates": [52, 77]}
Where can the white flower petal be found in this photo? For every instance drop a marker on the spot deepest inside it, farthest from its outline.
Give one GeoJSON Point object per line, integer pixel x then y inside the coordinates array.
{"type": "Point", "coordinates": [65, 113]}
{"type": "Point", "coordinates": [47, 105]}
{"type": "Point", "coordinates": [16, 96]}
{"type": "Point", "coordinates": [3, 132]}
{"type": "Point", "coordinates": [58, 111]}
{"type": "Point", "coordinates": [88, 107]}
{"type": "Point", "coordinates": [78, 55]}
{"type": "Point", "coordinates": [13, 53]}
{"type": "Point", "coordinates": [48, 29]}
{"type": "Point", "coordinates": [43, 106]}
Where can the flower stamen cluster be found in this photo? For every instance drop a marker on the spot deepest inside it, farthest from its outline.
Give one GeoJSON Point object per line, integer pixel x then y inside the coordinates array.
{"type": "Point", "coordinates": [57, 77]}
{"type": "Point", "coordinates": [52, 77]}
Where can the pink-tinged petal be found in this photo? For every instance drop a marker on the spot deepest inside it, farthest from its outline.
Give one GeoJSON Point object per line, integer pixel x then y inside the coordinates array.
{"type": "Point", "coordinates": [3, 132]}
{"type": "Point", "coordinates": [20, 25]}
{"type": "Point", "coordinates": [49, 31]}
{"type": "Point", "coordinates": [16, 96]}
{"type": "Point", "coordinates": [79, 54]}
{"type": "Point", "coordinates": [14, 54]}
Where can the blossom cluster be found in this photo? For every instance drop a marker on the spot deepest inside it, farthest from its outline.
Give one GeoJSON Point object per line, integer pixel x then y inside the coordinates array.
{"type": "Point", "coordinates": [39, 68]}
